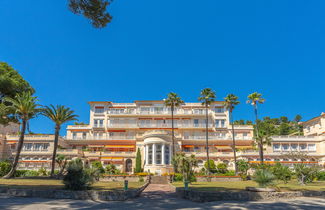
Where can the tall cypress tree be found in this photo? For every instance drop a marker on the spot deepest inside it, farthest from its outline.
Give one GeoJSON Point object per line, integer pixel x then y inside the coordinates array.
{"type": "Point", "coordinates": [138, 168]}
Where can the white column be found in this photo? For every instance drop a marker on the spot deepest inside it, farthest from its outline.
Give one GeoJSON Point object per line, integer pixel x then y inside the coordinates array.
{"type": "Point", "coordinates": [163, 154]}
{"type": "Point", "coordinates": [146, 153]}
{"type": "Point", "coordinates": [153, 154]}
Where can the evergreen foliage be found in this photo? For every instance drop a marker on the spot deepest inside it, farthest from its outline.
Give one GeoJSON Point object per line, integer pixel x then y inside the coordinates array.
{"type": "Point", "coordinates": [138, 167]}
{"type": "Point", "coordinates": [77, 177]}
{"type": "Point", "coordinates": [263, 177]}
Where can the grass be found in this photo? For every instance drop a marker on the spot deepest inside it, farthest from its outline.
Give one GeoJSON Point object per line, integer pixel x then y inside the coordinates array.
{"type": "Point", "coordinates": [57, 184]}
{"type": "Point", "coordinates": [241, 185]}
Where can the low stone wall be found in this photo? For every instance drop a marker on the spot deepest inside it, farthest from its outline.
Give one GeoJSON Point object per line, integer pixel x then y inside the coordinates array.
{"type": "Point", "coordinates": [206, 196]}
{"type": "Point", "coordinates": [121, 178]}
{"type": "Point", "coordinates": [115, 195]}
{"type": "Point", "coordinates": [218, 178]}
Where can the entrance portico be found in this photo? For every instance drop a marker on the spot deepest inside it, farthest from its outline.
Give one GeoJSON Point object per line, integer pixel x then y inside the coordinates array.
{"type": "Point", "coordinates": [157, 152]}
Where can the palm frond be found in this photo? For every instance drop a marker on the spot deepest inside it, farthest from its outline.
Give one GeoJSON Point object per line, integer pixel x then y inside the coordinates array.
{"type": "Point", "coordinates": [59, 114]}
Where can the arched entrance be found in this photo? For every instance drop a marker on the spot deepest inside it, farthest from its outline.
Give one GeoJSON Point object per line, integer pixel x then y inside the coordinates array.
{"type": "Point", "coordinates": [128, 165]}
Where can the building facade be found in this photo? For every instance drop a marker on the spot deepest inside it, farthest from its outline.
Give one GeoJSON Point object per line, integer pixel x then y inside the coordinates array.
{"type": "Point", "coordinates": [117, 130]}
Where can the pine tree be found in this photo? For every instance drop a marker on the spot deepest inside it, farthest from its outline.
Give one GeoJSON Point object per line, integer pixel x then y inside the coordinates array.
{"type": "Point", "coordinates": [138, 168]}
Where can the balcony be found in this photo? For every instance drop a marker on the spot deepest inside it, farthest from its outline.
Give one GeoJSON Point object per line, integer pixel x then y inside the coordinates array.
{"type": "Point", "coordinates": [105, 138]}
{"type": "Point", "coordinates": [296, 138]}
{"type": "Point", "coordinates": [160, 112]}
{"type": "Point", "coordinates": [78, 127]}
{"type": "Point", "coordinates": [34, 152]}
{"type": "Point", "coordinates": [124, 125]}
{"type": "Point", "coordinates": [92, 154]}
{"type": "Point", "coordinates": [31, 137]}
{"type": "Point", "coordinates": [68, 151]}
{"type": "Point", "coordinates": [118, 154]}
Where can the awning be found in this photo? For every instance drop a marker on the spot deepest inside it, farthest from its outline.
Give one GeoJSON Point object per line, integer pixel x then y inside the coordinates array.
{"type": "Point", "coordinates": [244, 147]}
{"type": "Point", "coordinates": [188, 146]}
{"type": "Point", "coordinates": [119, 146]}
{"type": "Point", "coordinates": [95, 145]}
{"type": "Point", "coordinates": [112, 158]}
{"type": "Point", "coordinates": [223, 147]}
{"type": "Point", "coordinates": [11, 142]}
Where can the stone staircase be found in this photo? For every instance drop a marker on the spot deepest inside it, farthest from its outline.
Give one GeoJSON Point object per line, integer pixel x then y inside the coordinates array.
{"type": "Point", "coordinates": [159, 180]}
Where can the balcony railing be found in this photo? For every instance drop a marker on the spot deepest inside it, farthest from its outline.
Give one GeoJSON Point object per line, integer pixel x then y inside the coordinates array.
{"type": "Point", "coordinates": [295, 138]}
{"type": "Point", "coordinates": [159, 112]}
{"type": "Point", "coordinates": [105, 138]}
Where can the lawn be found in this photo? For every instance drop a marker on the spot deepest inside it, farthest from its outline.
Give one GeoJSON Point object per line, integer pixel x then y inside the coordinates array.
{"type": "Point", "coordinates": [241, 185]}
{"type": "Point", "coordinates": [57, 184]}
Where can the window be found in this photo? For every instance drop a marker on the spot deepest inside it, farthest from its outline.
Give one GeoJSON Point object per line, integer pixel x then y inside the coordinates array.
{"type": "Point", "coordinates": [28, 146]}
{"type": "Point", "coordinates": [219, 110]}
{"type": "Point", "coordinates": [223, 123]}
{"type": "Point", "coordinates": [166, 154]}
{"type": "Point", "coordinates": [312, 147]}
{"type": "Point", "coordinates": [285, 147]}
{"type": "Point", "coordinates": [99, 110]}
{"type": "Point", "coordinates": [217, 123]}
{"type": "Point", "coordinates": [145, 110]}
{"type": "Point", "coordinates": [98, 123]}
{"type": "Point", "coordinates": [37, 147]}
{"type": "Point", "coordinates": [158, 153]}
{"type": "Point", "coordinates": [84, 135]}
{"type": "Point", "coordinates": [276, 147]}
{"type": "Point", "coordinates": [45, 147]}
{"type": "Point", "coordinates": [196, 122]}
{"type": "Point", "coordinates": [294, 147]}
{"type": "Point", "coordinates": [74, 135]}
{"type": "Point", "coordinates": [303, 147]}
{"type": "Point", "coordinates": [198, 111]}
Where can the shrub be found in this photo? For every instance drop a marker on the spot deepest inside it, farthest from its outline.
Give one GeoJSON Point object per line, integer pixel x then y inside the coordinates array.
{"type": "Point", "coordinates": [243, 166]}
{"type": "Point", "coordinates": [321, 176]}
{"type": "Point", "coordinates": [20, 173]}
{"type": "Point", "coordinates": [261, 166]}
{"type": "Point", "coordinates": [5, 167]}
{"type": "Point", "coordinates": [222, 168]}
{"type": "Point", "coordinates": [111, 169]}
{"type": "Point", "coordinates": [229, 173]}
{"type": "Point", "coordinates": [42, 172]}
{"type": "Point", "coordinates": [304, 173]}
{"type": "Point", "coordinates": [282, 172]}
{"type": "Point", "coordinates": [178, 177]}
{"type": "Point", "coordinates": [31, 173]}
{"type": "Point", "coordinates": [99, 166]}
{"type": "Point", "coordinates": [212, 166]}
{"type": "Point", "coordinates": [263, 177]}
{"type": "Point", "coordinates": [77, 178]}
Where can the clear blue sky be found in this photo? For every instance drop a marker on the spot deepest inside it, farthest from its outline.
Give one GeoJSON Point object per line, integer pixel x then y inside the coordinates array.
{"type": "Point", "coordinates": [153, 47]}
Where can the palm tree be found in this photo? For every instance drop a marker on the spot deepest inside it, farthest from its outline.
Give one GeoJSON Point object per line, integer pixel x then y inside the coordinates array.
{"type": "Point", "coordinates": [230, 102]}
{"type": "Point", "coordinates": [207, 96]}
{"type": "Point", "coordinates": [24, 107]}
{"type": "Point", "coordinates": [59, 114]}
{"type": "Point", "coordinates": [173, 101]}
{"type": "Point", "coordinates": [254, 99]}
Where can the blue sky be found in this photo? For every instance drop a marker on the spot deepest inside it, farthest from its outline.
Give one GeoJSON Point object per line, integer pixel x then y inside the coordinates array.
{"type": "Point", "coordinates": [154, 47]}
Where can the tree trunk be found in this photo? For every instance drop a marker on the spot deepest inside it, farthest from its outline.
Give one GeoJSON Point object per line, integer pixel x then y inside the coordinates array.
{"type": "Point", "coordinates": [56, 140]}
{"type": "Point", "coordinates": [261, 152]}
{"type": "Point", "coordinates": [233, 142]}
{"type": "Point", "coordinates": [260, 144]}
{"type": "Point", "coordinates": [207, 135]}
{"type": "Point", "coordinates": [19, 147]}
{"type": "Point", "coordinates": [173, 137]}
